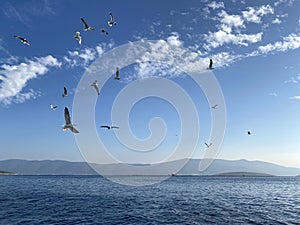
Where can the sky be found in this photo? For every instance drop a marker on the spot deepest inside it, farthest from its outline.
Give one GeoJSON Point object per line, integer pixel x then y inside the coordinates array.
{"type": "Point", "coordinates": [255, 46]}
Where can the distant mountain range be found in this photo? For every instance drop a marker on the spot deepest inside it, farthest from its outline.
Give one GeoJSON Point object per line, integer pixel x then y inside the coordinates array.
{"type": "Point", "coordinates": [219, 166]}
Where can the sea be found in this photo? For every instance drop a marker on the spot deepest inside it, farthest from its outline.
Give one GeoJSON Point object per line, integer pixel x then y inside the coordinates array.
{"type": "Point", "coordinates": [177, 200]}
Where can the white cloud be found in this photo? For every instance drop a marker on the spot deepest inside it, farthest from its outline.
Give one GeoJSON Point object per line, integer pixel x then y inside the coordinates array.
{"type": "Point", "coordinates": [85, 56]}
{"type": "Point", "coordinates": [167, 58]}
{"type": "Point", "coordinates": [254, 14]}
{"type": "Point", "coordinates": [13, 78]}
{"type": "Point", "coordinates": [297, 97]}
{"type": "Point", "coordinates": [225, 58]}
{"type": "Point", "coordinates": [274, 94]}
{"type": "Point", "coordinates": [277, 21]}
{"type": "Point", "coordinates": [222, 37]}
{"type": "Point", "coordinates": [289, 42]}
{"type": "Point", "coordinates": [216, 5]}
{"type": "Point", "coordinates": [231, 20]}
{"type": "Point", "coordinates": [286, 2]}
{"type": "Point", "coordinates": [174, 40]}
{"type": "Point", "coordinates": [230, 31]}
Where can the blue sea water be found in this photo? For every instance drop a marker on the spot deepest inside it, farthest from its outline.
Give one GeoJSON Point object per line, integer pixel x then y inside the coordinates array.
{"type": "Point", "coordinates": [178, 200]}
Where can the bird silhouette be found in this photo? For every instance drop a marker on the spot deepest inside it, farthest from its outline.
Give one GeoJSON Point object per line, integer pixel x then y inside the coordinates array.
{"type": "Point", "coordinates": [23, 40]}
{"type": "Point", "coordinates": [208, 145]}
{"type": "Point", "coordinates": [117, 77]}
{"type": "Point", "coordinates": [53, 107]}
{"type": "Point", "coordinates": [65, 94]}
{"type": "Point", "coordinates": [95, 85]}
{"type": "Point", "coordinates": [86, 26]}
{"type": "Point", "coordinates": [112, 20]}
{"type": "Point", "coordinates": [109, 127]}
{"type": "Point", "coordinates": [78, 37]}
{"type": "Point", "coordinates": [210, 65]}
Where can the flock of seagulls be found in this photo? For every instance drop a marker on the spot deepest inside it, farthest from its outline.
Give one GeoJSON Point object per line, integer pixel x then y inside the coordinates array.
{"type": "Point", "coordinates": [87, 27]}
{"type": "Point", "coordinates": [68, 124]}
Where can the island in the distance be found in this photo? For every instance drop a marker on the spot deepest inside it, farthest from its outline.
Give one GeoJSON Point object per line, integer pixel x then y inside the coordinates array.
{"type": "Point", "coordinates": [6, 173]}
{"type": "Point", "coordinates": [243, 174]}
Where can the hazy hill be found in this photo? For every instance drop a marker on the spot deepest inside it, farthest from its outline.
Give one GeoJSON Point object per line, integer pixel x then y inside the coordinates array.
{"type": "Point", "coordinates": [57, 167]}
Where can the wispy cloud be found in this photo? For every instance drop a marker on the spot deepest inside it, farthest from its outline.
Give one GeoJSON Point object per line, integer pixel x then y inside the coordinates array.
{"type": "Point", "coordinates": [83, 57]}
{"type": "Point", "coordinates": [13, 78]}
{"type": "Point", "coordinates": [23, 12]}
{"type": "Point", "coordinates": [216, 5]}
{"type": "Point", "coordinates": [285, 2]}
{"type": "Point", "coordinates": [254, 14]}
{"type": "Point", "coordinates": [230, 27]}
{"type": "Point", "coordinates": [274, 94]}
{"type": "Point", "coordinates": [289, 42]}
{"type": "Point", "coordinates": [292, 80]}
{"type": "Point", "coordinates": [297, 97]}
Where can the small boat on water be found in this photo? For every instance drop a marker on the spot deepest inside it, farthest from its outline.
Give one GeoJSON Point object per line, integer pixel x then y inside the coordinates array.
{"type": "Point", "coordinates": [174, 174]}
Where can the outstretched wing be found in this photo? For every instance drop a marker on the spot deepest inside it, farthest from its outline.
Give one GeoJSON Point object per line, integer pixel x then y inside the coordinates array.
{"type": "Point", "coordinates": [108, 127]}
{"type": "Point", "coordinates": [74, 130]}
{"type": "Point", "coordinates": [84, 23]}
{"type": "Point", "coordinates": [111, 17]}
{"type": "Point", "coordinates": [97, 89]}
{"type": "Point", "coordinates": [114, 127]}
{"type": "Point", "coordinates": [67, 116]}
{"type": "Point", "coordinates": [65, 91]}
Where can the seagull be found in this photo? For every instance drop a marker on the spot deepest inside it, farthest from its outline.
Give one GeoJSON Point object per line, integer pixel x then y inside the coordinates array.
{"type": "Point", "coordinates": [23, 40]}
{"type": "Point", "coordinates": [86, 26]}
{"type": "Point", "coordinates": [210, 65]}
{"type": "Point", "coordinates": [249, 132]}
{"type": "Point", "coordinates": [109, 127]}
{"type": "Point", "coordinates": [208, 145]}
{"type": "Point", "coordinates": [215, 106]}
{"type": "Point", "coordinates": [65, 94]}
{"type": "Point", "coordinates": [53, 107]}
{"type": "Point", "coordinates": [103, 31]}
{"type": "Point", "coordinates": [112, 20]}
{"type": "Point", "coordinates": [95, 85]}
{"type": "Point", "coordinates": [117, 77]}
{"type": "Point", "coordinates": [68, 124]}
{"type": "Point", "coordinates": [78, 37]}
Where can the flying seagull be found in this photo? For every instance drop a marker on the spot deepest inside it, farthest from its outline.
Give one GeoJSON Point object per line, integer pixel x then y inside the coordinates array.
{"type": "Point", "coordinates": [214, 106]}
{"type": "Point", "coordinates": [65, 94]}
{"type": "Point", "coordinates": [112, 20]}
{"type": "Point", "coordinates": [103, 31]}
{"type": "Point", "coordinates": [117, 77]}
{"type": "Point", "coordinates": [95, 85]}
{"type": "Point", "coordinates": [86, 26]}
{"type": "Point", "coordinates": [109, 127]}
{"type": "Point", "coordinates": [210, 64]}
{"type": "Point", "coordinates": [208, 145]}
{"type": "Point", "coordinates": [23, 40]}
{"type": "Point", "coordinates": [53, 107]}
{"type": "Point", "coordinates": [249, 132]}
{"type": "Point", "coordinates": [78, 37]}
{"type": "Point", "coordinates": [68, 124]}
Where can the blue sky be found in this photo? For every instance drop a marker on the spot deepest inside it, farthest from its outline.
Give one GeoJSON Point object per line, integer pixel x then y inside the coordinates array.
{"type": "Point", "coordinates": [255, 46]}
